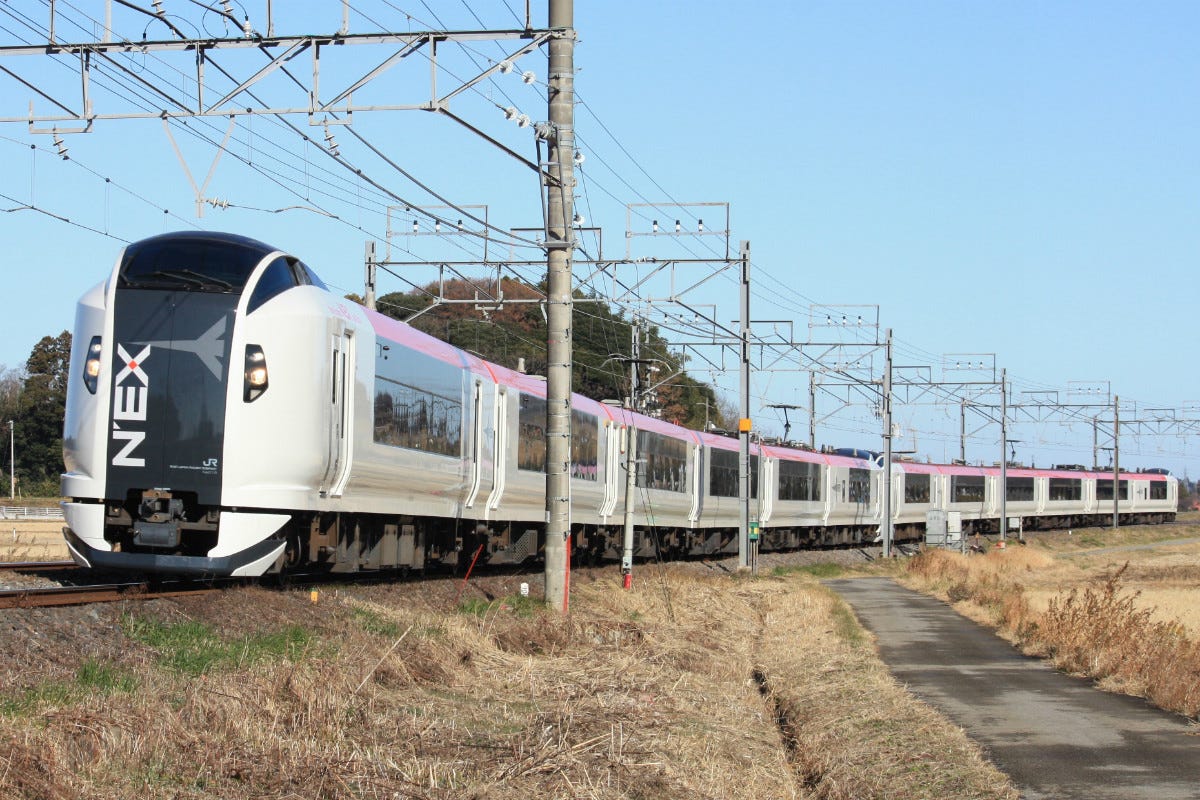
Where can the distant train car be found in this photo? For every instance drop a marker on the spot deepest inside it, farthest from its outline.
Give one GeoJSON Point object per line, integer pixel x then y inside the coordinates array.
{"type": "Point", "coordinates": [227, 415]}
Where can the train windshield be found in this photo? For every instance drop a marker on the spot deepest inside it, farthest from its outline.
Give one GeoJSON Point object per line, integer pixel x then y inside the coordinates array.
{"type": "Point", "coordinates": [200, 262]}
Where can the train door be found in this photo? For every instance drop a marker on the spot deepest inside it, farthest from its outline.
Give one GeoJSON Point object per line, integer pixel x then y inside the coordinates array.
{"type": "Point", "coordinates": [698, 474]}
{"type": "Point", "coordinates": [1138, 492]}
{"type": "Point", "coordinates": [832, 486]}
{"type": "Point", "coordinates": [612, 468]}
{"type": "Point", "coordinates": [341, 371]}
{"type": "Point", "coordinates": [499, 448]}
{"type": "Point", "coordinates": [478, 454]}
{"type": "Point", "coordinates": [766, 490]}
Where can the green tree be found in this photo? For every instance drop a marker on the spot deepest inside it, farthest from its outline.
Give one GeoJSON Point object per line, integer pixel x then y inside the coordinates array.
{"type": "Point", "coordinates": [11, 381]}
{"type": "Point", "coordinates": [39, 415]}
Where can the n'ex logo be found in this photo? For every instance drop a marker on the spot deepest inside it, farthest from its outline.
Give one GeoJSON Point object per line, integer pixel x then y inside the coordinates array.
{"type": "Point", "coordinates": [131, 391]}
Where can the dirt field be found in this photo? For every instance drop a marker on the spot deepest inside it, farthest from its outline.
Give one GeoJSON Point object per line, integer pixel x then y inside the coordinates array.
{"type": "Point", "coordinates": [1166, 577]}
{"type": "Point", "coordinates": [32, 540]}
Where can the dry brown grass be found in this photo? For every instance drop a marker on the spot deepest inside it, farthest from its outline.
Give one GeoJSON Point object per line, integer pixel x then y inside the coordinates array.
{"type": "Point", "coordinates": [685, 687]}
{"type": "Point", "coordinates": [1101, 631]}
{"type": "Point", "coordinates": [1069, 599]}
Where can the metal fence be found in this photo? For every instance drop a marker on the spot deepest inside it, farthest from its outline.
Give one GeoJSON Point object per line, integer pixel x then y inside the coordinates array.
{"type": "Point", "coordinates": [26, 512]}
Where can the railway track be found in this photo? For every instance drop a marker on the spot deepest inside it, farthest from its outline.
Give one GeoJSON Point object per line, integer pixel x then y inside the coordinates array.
{"type": "Point", "coordinates": [50, 596]}
{"type": "Point", "coordinates": [39, 566]}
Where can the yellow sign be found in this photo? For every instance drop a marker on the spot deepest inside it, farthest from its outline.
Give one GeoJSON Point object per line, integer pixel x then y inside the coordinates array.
{"type": "Point", "coordinates": [744, 425]}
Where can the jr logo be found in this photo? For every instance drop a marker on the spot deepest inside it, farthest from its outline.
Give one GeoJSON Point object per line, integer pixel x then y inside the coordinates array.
{"type": "Point", "coordinates": [131, 390]}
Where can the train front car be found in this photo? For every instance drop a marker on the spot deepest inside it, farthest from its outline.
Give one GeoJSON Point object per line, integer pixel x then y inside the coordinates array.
{"type": "Point", "coordinates": [169, 364]}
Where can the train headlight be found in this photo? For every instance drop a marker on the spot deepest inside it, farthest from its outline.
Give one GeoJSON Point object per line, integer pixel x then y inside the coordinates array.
{"type": "Point", "coordinates": [256, 379]}
{"type": "Point", "coordinates": [91, 367]}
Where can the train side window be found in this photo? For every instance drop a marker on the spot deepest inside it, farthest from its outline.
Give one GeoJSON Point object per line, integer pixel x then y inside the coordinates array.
{"type": "Point", "coordinates": [276, 279]}
{"type": "Point", "coordinates": [916, 488]}
{"type": "Point", "coordinates": [860, 486]}
{"type": "Point", "coordinates": [416, 419]}
{"type": "Point", "coordinates": [799, 481]}
{"type": "Point", "coordinates": [1019, 489]}
{"type": "Point", "coordinates": [662, 462]}
{"type": "Point", "coordinates": [584, 445]}
{"type": "Point", "coordinates": [966, 489]}
{"type": "Point", "coordinates": [531, 434]}
{"type": "Point", "coordinates": [1066, 489]}
{"type": "Point", "coordinates": [723, 473]}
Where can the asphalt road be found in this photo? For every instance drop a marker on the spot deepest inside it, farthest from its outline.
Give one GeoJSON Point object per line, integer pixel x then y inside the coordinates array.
{"type": "Point", "coordinates": [1054, 735]}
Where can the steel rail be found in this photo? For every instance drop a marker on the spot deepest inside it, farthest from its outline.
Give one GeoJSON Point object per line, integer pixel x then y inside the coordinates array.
{"type": "Point", "coordinates": [45, 597]}
{"type": "Point", "coordinates": [35, 566]}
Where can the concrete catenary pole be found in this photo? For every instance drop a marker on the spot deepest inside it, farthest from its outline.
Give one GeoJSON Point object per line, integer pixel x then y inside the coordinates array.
{"type": "Point", "coordinates": [888, 531]}
{"type": "Point", "coordinates": [1003, 454]}
{"type": "Point", "coordinates": [631, 403]}
{"type": "Point", "coordinates": [369, 287]}
{"type": "Point", "coordinates": [1116, 461]}
{"type": "Point", "coordinates": [962, 431]}
{"type": "Point", "coordinates": [560, 205]}
{"type": "Point", "coordinates": [812, 409]}
{"type": "Point", "coordinates": [744, 420]}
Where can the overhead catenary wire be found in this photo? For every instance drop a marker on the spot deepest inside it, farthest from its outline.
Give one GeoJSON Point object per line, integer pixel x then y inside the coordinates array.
{"type": "Point", "coordinates": [784, 292]}
{"type": "Point", "coordinates": [272, 177]}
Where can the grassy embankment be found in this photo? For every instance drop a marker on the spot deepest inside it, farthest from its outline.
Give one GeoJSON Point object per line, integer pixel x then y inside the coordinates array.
{"type": "Point", "coordinates": [689, 686]}
{"type": "Point", "coordinates": [1094, 602]}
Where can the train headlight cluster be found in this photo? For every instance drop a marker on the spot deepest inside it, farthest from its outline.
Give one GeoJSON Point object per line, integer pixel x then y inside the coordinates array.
{"type": "Point", "coordinates": [91, 367]}
{"type": "Point", "coordinates": [256, 373]}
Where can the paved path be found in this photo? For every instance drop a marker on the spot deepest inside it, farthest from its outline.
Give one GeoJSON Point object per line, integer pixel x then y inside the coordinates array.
{"type": "Point", "coordinates": [1054, 735]}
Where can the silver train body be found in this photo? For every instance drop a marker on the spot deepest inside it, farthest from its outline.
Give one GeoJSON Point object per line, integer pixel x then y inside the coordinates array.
{"type": "Point", "coordinates": [227, 415]}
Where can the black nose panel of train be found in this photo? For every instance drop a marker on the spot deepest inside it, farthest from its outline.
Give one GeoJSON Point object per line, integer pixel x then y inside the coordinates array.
{"type": "Point", "coordinates": [170, 360]}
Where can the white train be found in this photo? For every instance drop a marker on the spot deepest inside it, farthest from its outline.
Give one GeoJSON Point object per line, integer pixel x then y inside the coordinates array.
{"type": "Point", "coordinates": [228, 415]}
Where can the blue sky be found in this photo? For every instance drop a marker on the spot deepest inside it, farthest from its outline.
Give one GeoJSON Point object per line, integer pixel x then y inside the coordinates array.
{"type": "Point", "coordinates": [1016, 178]}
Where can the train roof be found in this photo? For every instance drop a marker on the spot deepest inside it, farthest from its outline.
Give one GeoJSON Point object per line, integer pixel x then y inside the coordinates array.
{"type": "Point", "coordinates": [407, 335]}
{"type": "Point", "coordinates": [918, 468]}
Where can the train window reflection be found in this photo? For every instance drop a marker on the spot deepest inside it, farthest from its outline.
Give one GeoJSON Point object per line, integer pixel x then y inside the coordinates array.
{"type": "Point", "coordinates": [531, 434]}
{"type": "Point", "coordinates": [799, 480]}
{"type": "Point", "coordinates": [859, 488]}
{"type": "Point", "coordinates": [1019, 489]}
{"type": "Point", "coordinates": [662, 462]}
{"type": "Point", "coordinates": [1066, 489]}
{"type": "Point", "coordinates": [418, 403]}
{"type": "Point", "coordinates": [583, 445]}
{"type": "Point", "coordinates": [916, 488]}
{"type": "Point", "coordinates": [276, 279]}
{"type": "Point", "coordinates": [723, 473]}
{"type": "Point", "coordinates": [966, 489]}
{"type": "Point", "coordinates": [406, 416]}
